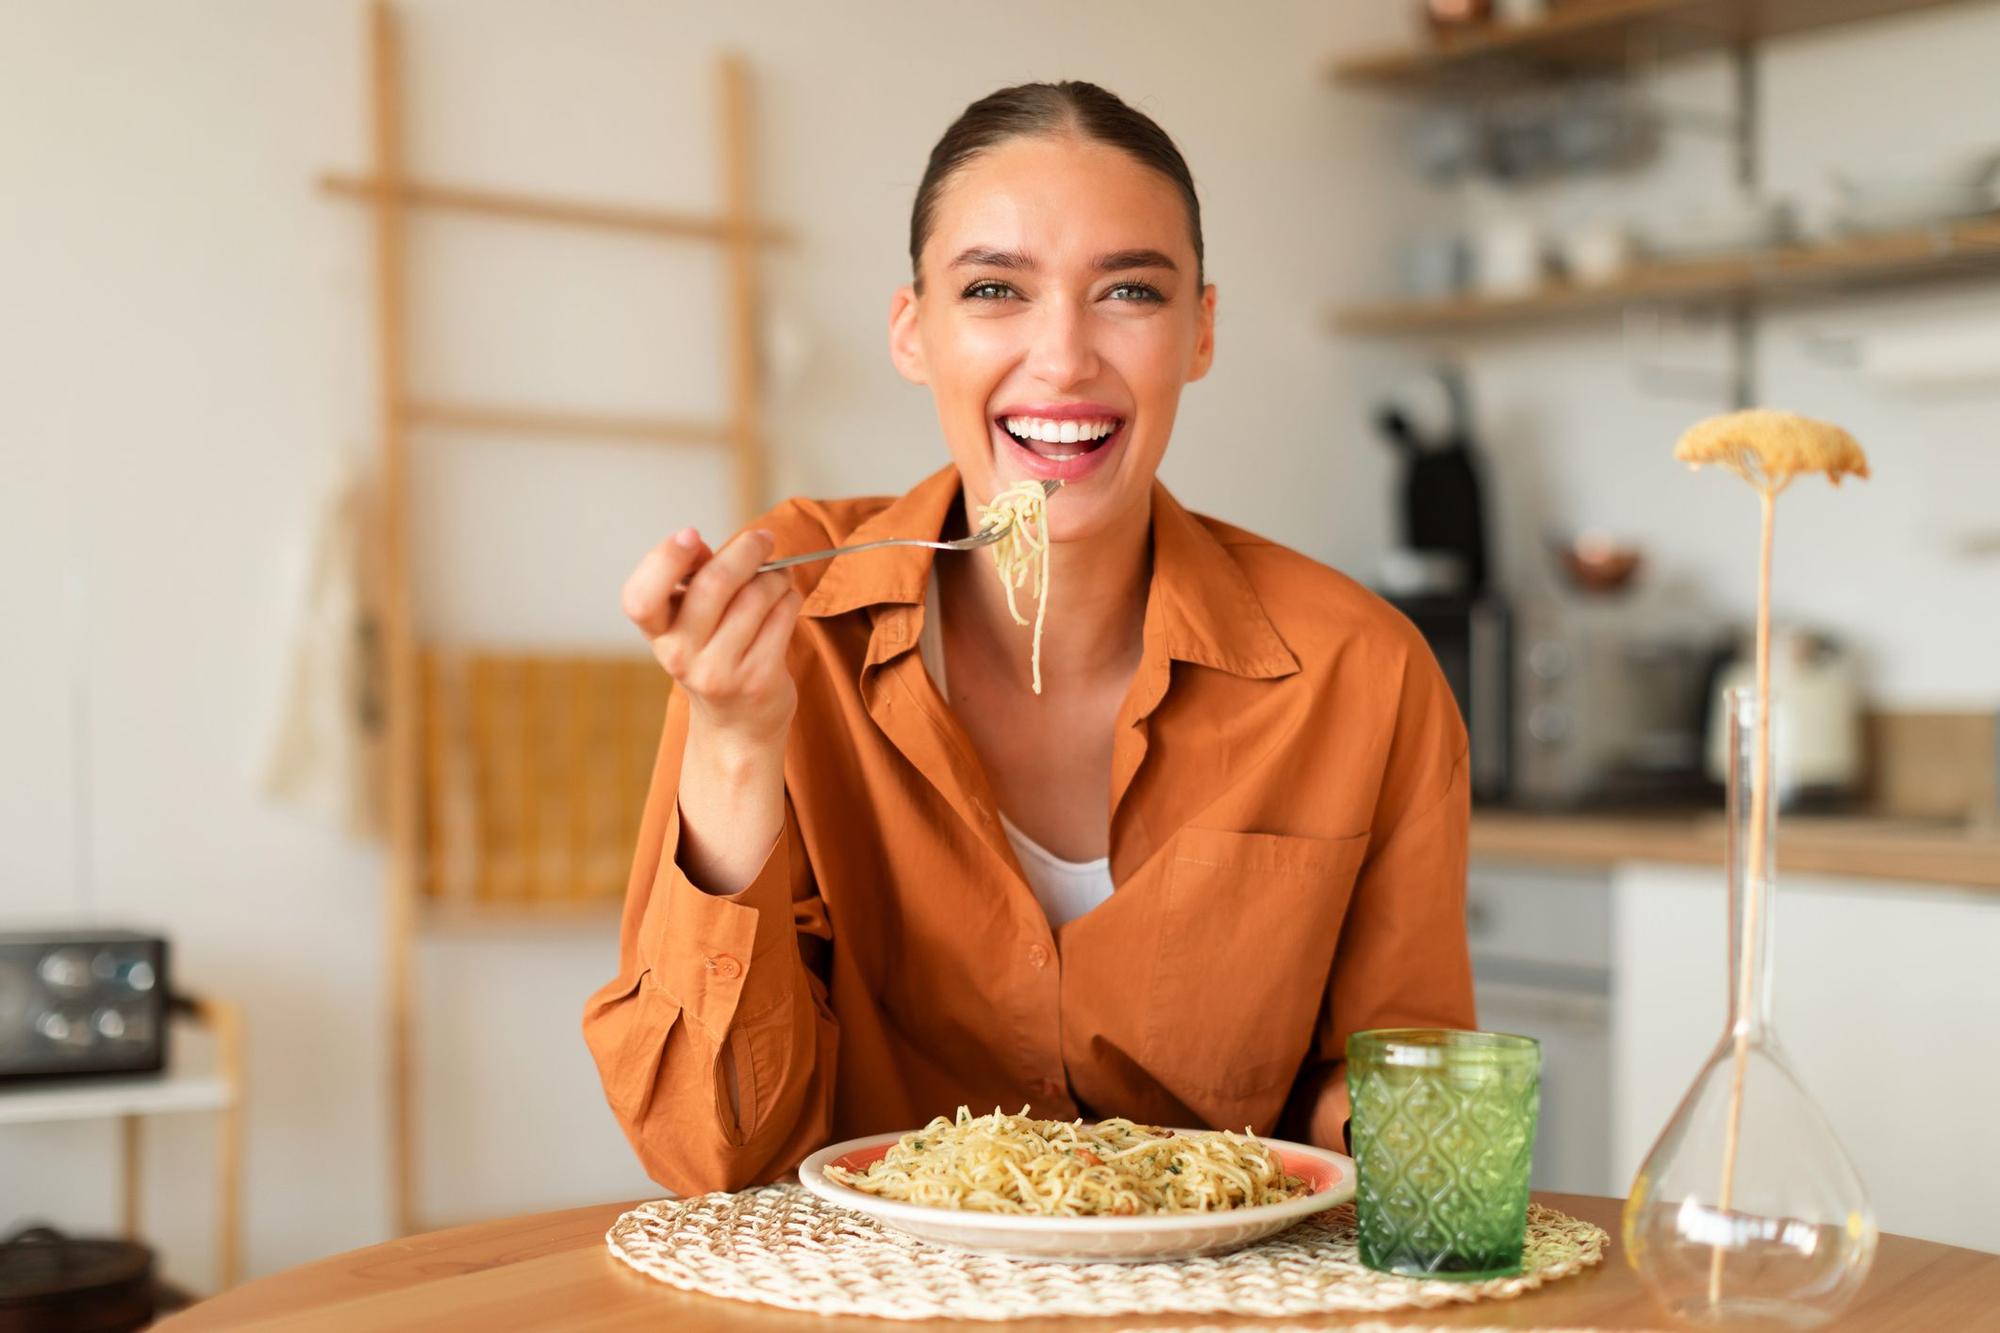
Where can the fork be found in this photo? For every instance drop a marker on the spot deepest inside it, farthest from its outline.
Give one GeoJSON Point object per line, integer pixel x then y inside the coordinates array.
{"type": "Point", "coordinates": [986, 536]}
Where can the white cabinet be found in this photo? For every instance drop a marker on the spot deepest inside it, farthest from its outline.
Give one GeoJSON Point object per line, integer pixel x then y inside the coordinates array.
{"type": "Point", "coordinates": [1541, 944]}
{"type": "Point", "coordinates": [1887, 1002]}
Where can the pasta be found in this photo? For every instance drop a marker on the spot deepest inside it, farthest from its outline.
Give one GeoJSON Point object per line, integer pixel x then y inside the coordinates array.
{"type": "Point", "coordinates": [1064, 1168]}
{"type": "Point", "coordinates": [1023, 551]}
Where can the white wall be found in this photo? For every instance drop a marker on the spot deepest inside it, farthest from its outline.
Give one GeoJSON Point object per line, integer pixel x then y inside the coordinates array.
{"type": "Point", "coordinates": [186, 357]}
{"type": "Point", "coordinates": [1906, 565]}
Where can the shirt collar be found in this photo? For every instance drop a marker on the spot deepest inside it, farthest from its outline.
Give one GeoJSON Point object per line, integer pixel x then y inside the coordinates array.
{"type": "Point", "coordinates": [1208, 612]}
{"type": "Point", "coordinates": [899, 574]}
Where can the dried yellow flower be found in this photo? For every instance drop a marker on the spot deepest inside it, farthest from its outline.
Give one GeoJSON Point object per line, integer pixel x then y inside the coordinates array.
{"type": "Point", "coordinates": [1768, 449]}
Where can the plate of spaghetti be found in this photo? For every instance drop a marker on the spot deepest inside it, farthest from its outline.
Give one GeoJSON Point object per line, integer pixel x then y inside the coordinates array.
{"type": "Point", "coordinates": [1066, 1190]}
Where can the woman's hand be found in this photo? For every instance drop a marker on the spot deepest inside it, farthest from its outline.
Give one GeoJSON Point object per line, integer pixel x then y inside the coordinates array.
{"type": "Point", "coordinates": [723, 640]}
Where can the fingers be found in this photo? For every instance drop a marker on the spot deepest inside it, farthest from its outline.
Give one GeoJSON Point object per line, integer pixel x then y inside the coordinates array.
{"type": "Point", "coordinates": [648, 597]}
{"type": "Point", "coordinates": [765, 657]}
{"type": "Point", "coordinates": [716, 584]}
{"type": "Point", "coordinates": [744, 617]}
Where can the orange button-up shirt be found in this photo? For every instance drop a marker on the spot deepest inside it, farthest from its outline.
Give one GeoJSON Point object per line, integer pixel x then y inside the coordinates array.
{"type": "Point", "coordinates": [1288, 813]}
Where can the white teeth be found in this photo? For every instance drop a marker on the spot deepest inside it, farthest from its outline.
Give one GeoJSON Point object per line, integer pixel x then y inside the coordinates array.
{"type": "Point", "coordinates": [1050, 431]}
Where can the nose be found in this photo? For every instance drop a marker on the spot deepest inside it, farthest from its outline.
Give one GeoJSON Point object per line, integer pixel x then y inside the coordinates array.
{"type": "Point", "coordinates": [1063, 353]}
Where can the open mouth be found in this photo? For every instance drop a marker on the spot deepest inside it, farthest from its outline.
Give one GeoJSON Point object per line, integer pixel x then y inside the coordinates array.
{"type": "Point", "coordinates": [1067, 449]}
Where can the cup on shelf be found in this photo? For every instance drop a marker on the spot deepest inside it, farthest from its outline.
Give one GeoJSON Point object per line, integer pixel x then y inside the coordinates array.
{"type": "Point", "coordinates": [1520, 13]}
{"type": "Point", "coordinates": [1507, 258]}
{"type": "Point", "coordinates": [1434, 267]}
{"type": "Point", "coordinates": [1595, 253]}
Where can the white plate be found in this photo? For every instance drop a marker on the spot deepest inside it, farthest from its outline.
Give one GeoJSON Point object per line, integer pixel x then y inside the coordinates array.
{"type": "Point", "coordinates": [1086, 1239]}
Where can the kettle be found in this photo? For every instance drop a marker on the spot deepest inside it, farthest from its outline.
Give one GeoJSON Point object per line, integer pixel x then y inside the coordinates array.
{"type": "Point", "coordinates": [1817, 748]}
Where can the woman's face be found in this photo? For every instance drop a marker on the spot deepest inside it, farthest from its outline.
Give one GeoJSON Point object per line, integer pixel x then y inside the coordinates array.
{"type": "Point", "coordinates": [1059, 319]}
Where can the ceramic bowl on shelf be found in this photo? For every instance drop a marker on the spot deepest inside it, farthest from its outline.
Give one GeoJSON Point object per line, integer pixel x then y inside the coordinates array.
{"type": "Point", "coordinates": [1733, 226]}
{"type": "Point", "coordinates": [1892, 201]}
{"type": "Point", "coordinates": [1595, 563]}
{"type": "Point", "coordinates": [1139, 1239]}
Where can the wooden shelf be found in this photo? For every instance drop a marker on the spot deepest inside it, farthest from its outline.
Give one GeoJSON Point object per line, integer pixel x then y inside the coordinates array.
{"type": "Point", "coordinates": [1857, 846]}
{"type": "Point", "coordinates": [1597, 36]}
{"type": "Point", "coordinates": [141, 1094]}
{"type": "Point", "coordinates": [1970, 245]}
{"type": "Point", "coordinates": [444, 914]}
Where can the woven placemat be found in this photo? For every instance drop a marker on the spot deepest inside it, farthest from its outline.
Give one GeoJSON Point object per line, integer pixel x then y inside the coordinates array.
{"type": "Point", "coordinates": [779, 1245]}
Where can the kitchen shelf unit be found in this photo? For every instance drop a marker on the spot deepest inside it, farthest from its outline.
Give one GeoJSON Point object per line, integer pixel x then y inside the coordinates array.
{"type": "Point", "coordinates": [513, 781]}
{"type": "Point", "coordinates": [1599, 37]}
{"type": "Point", "coordinates": [1970, 245]}
{"type": "Point", "coordinates": [1586, 38]}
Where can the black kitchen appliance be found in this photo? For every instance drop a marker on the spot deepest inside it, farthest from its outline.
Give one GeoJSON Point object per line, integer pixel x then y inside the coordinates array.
{"type": "Point", "coordinates": [80, 1002]}
{"type": "Point", "coordinates": [1437, 575]}
{"type": "Point", "coordinates": [1440, 509]}
{"type": "Point", "coordinates": [1472, 641]}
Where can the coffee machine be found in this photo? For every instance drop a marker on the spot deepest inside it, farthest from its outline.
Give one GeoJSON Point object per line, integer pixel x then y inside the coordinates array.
{"type": "Point", "coordinates": [1437, 575]}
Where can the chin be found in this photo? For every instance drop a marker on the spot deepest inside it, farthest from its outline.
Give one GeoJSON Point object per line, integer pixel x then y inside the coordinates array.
{"type": "Point", "coordinates": [1084, 515]}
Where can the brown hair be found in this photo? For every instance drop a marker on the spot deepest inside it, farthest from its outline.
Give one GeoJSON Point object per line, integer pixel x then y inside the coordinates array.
{"type": "Point", "coordinates": [1048, 110]}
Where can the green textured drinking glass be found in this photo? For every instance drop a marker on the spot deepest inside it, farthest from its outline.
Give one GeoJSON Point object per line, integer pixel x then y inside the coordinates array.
{"type": "Point", "coordinates": [1443, 1127]}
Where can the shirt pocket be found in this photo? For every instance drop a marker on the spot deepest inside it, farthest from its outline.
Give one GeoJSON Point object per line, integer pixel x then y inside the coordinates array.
{"type": "Point", "coordinates": [1249, 923]}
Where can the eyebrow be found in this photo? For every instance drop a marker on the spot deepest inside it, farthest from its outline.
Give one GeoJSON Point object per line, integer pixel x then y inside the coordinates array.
{"type": "Point", "coordinates": [1116, 261]}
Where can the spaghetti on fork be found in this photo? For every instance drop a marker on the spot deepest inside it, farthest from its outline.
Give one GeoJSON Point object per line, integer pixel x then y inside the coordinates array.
{"type": "Point", "coordinates": [1022, 554]}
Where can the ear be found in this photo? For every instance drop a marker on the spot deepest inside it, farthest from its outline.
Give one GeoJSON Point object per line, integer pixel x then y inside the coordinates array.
{"type": "Point", "coordinates": [906, 344]}
{"type": "Point", "coordinates": [1204, 343]}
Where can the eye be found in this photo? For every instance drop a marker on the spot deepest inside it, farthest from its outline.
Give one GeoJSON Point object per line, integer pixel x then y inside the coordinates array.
{"type": "Point", "coordinates": [978, 291]}
{"type": "Point", "coordinates": [1140, 292]}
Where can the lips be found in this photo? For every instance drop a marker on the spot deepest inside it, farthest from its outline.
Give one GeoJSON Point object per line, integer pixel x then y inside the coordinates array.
{"type": "Point", "coordinates": [1064, 441]}
{"type": "Point", "coordinates": [1062, 460]}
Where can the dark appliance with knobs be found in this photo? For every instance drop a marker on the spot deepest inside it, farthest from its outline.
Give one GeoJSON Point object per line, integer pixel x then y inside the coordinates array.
{"type": "Point", "coordinates": [82, 1002]}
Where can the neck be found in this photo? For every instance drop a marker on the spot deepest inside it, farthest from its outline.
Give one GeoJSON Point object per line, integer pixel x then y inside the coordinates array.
{"type": "Point", "coordinates": [1097, 606]}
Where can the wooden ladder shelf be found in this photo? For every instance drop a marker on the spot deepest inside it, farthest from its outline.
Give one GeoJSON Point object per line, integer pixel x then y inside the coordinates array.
{"type": "Point", "coordinates": [540, 811]}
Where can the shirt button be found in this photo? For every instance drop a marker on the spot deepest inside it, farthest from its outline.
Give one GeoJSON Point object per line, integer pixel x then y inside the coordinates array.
{"type": "Point", "coordinates": [725, 967]}
{"type": "Point", "coordinates": [1038, 956]}
{"type": "Point", "coordinates": [1048, 1087]}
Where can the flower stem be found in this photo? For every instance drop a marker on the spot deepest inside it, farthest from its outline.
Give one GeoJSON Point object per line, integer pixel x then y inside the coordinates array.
{"type": "Point", "coordinates": [1747, 951]}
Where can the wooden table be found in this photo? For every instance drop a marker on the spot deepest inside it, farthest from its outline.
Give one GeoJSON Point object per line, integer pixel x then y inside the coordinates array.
{"type": "Point", "coordinates": [551, 1271]}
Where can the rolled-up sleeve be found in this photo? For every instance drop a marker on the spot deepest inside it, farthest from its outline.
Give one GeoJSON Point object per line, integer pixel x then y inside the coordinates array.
{"type": "Point", "coordinates": [715, 1042]}
{"type": "Point", "coordinates": [1402, 959]}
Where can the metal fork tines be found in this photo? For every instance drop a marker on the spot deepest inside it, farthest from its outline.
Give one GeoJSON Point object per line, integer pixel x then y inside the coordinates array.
{"type": "Point", "coordinates": [986, 536]}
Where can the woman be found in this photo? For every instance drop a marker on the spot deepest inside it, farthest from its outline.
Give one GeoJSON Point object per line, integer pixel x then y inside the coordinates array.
{"type": "Point", "coordinates": [878, 876]}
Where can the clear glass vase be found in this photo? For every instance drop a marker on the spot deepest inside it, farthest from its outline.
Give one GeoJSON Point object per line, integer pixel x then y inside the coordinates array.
{"type": "Point", "coordinates": [1747, 1211]}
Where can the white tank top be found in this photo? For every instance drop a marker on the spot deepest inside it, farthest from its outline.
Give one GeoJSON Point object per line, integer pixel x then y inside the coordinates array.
{"type": "Point", "coordinates": [1065, 889]}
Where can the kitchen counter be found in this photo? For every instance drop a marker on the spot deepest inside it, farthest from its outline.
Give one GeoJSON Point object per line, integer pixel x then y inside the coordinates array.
{"type": "Point", "coordinates": [1858, 846]}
